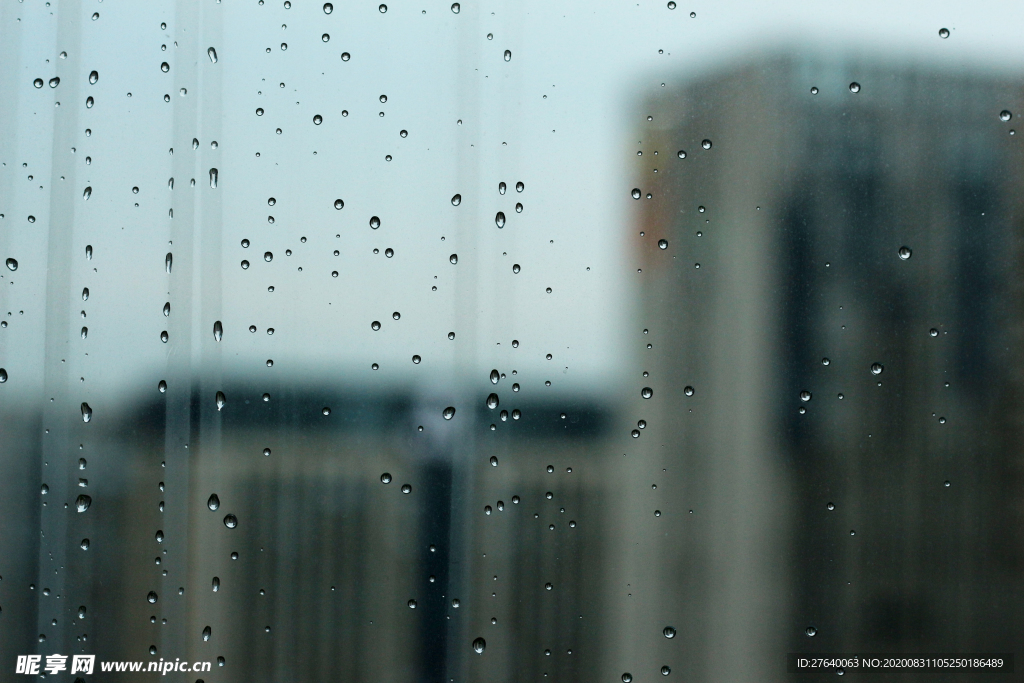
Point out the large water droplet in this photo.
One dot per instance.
(87, 193)
(151, 598)
(82, 503)
(221, 400)
(456, 199)
(374, 222)
(669, 632)
(647, 392)
(499, 219)
(55, 81)
(508, 55)
(268, 256)
(218, 331)
(455, 7)
(165, 67)
(12, 264)
(375, 325)
(38, 83)
(213, 54)
(213, 177)
(93, 77)
(88, 252)
(805, 396)
(85, 332)
(666, 670)
(214, 502)
(943, 33)
(1005, 115)
(492, 401)
(230, 521)
(328, 8)
(516, 268)
(86, 412)
(385, 478)
(876, 368)
(904, 253)
(479, 645)
(627, 677)
(495, 376)
(207, 632)
(688, 390)
(448, 413)
(168, 261)
(855, 87)
(453, 259)
(663, 244)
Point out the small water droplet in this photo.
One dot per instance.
(38, 83)
(904, 253)
(220, 400)
(152, 597)
(406, 488)
(943, 33)
(328, 8)
(374, 222)
(669, 632)
(317, 120)
(87, 193)
(1005, 115)
(230, 521)
(218, 331)
(508, 55)
(876, 368)
(375, 325)
(326, 37)
(93, 77)
(636, 194)
(268, 256)
(326, 411)
(855, 87)
(647, 392)
(492, 401)
(162, 387)
(165, 67)
(345, 57)
(207, 633)
(213, 54)
(933, 332)
(479, 645)
(811, 631)
(214, 502)
(665, 670)
(671, 4)
(12, 264)
(412, 604)
(663, 244)
(499, 219)
(3, 375)
(88, 252)
(825, 361)
(706, 144)
(448, 413)
(453, 259)
(455, 7)
(82, 503)
(515, 268)
(385, 478)
(688, 390)
(55, 81)
(495, 376)
(86, 412)
(456, 199)
(213, 177)
(382, 9)
(627, 677)
(805, 396)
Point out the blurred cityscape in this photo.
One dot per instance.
(829, 460)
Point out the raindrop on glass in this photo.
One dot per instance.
(448, 413)
(213, 54)
(904, 253)
(214, 502)
(218, 331)
(499, 219)
(876, 368)
(479, 645)
(647, 392)
(855, 87)
(456, 199)
(230, 521)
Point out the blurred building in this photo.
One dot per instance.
(822, 216)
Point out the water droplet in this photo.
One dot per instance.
(805, 396)
(508, 55)
(453, 259)
(663, 244)
(88, 252)
(671, 4)
(665, 670)
(213, 177)
(1005, 115)
(830, 507)
(162, 387)
(455, 7)
(406, 488)
(456, 199)
(492, 401)
(515, 268)
(345, 57)
(12, 264)
(904, 253)
(85, 332)
(86, 412)
(933, 332)
(317, 120)
(855, 87)
(245, 264)
(259, 111)
(220, 400)
(268, 256)
(479, 645)
(385, 478)
(876, 368)
(811, 631)
(328, 8)
(374, 222)
(706, 144)
(212, 54)
(647, 392)
(814, 90)
(326, 411)
(325, 37)
(636, 193)
(669, 632)
(495, 376)
(82, 503)
(230, 521)
(412, 604)
(55, 81)
(825, 361)
(627, 677)
(499, 219)
(165, 67)
(389, 252)
(375, 325)
(943, 33)
(688, 390)
(635, 433)
(448, 413)
(152, 597)
(93, 77)
(214, 502)
(383, 9)
(38, 83)
(87, 193)
(207, 633)
(218, 331)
